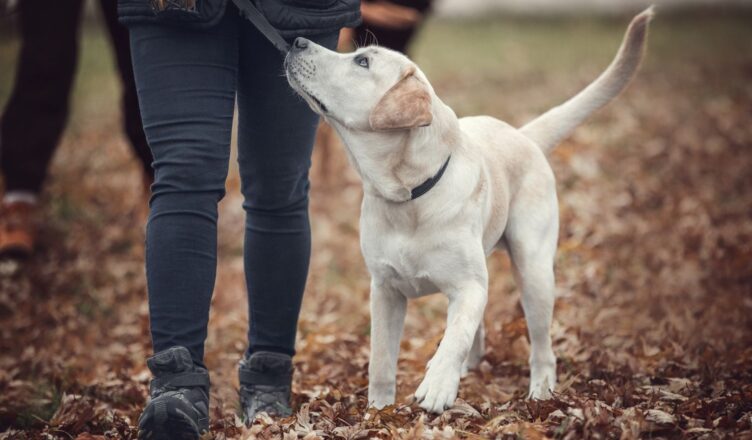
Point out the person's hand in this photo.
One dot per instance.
(389, 15)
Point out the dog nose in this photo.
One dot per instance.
(300, 43)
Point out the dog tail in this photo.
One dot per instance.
(553, 126)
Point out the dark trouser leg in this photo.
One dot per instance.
(395, 39)
(131, 114)
(391, 38)
(186, 82)
(275, 139)
(38, 107)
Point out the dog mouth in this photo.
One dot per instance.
(317, 101)
(303, 90)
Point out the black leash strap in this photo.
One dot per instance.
(249, 11)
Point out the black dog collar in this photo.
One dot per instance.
(428, 184)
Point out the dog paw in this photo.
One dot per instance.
(438, 390)
(542, 383)
(380, 396)
(540, 392)
(380, 402)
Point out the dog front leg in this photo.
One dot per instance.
(477, 350)
(387, 320)
(439, 387)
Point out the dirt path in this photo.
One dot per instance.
(652, 324)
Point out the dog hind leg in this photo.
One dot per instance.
(531, 240)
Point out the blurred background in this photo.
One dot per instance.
(653, 321)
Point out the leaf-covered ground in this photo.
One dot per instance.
(653, 320)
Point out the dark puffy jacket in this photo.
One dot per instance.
(292, 18)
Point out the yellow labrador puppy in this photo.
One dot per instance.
(441, 194)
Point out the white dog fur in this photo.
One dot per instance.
(498, 191)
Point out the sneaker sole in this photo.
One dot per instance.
(167, 423)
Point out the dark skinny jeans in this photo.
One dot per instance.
(187, 83)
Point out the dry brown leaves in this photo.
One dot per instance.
(653, 329)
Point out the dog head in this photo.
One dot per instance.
(371, 89)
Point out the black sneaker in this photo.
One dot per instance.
(265, 381)
(178, 407)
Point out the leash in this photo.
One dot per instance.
(252, 14)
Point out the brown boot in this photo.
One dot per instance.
(17, 231)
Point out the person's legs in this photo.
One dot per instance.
(131, 114)
(186, 82)
(37, 110)
(275, 138)
(35, 115)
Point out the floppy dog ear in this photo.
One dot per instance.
(406, 105)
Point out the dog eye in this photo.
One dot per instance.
(362, 62)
